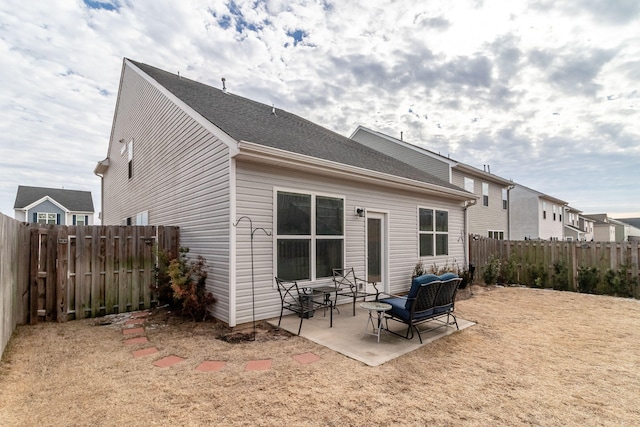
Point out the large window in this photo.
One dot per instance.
(434, 232)
(47, 218)
(310, 235)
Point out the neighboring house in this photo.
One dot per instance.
(186, 154)
(534, 215)
(53, 206)
(612, 230)
(488, 217)
(633, 233)
(576, 226)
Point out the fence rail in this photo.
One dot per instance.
(531, 258)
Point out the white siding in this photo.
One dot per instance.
(255, 193)
(180, 176)
(525, 214)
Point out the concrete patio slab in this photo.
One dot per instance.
(347, 334)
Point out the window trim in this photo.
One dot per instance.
(434, 232)
(485, 194)
(313, 237)
(492, 234)
(56, 218)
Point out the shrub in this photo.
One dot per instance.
(560, 276)
(491, 270)
(587, 280)
(509, 271)
(538, 276)
(188, 285)
(418, 270)
(162, 285)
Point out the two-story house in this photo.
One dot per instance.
(535, 215)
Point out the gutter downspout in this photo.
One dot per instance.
(467, 203)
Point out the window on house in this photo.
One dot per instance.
(505, 199)
(485, 194)
(130, 158)
(80, 220)
(554, 212)
(310, 235)
(468, 184)
(544, 210)
(47, 218)
(142, 218)
(433, 232)
(496, 235)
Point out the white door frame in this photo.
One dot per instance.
(384, 247)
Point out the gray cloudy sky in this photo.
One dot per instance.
(546, 92)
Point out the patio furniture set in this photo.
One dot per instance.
(429, 298)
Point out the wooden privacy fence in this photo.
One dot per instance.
(616, 256)
(87, 271)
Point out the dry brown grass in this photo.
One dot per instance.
(534, 358)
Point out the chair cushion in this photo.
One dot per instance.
(397, 307)
(415, 285)
(448, 276)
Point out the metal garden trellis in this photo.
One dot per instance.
(253, 301)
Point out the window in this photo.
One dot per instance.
(433, 232)
(142, 218)
(505, 199)
(496, 235)
(544, 210)
(485, 194)
(130, 157)
(554, 212)
(310, 235)
(468, 184)
(80, 220)
(47, 218)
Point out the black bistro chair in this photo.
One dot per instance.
(347, 284)
(294, 299)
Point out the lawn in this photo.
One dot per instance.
(535, 357)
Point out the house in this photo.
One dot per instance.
(260, 192)
(53, 206)
(489, 217)
(576, 226)
(608, 229)
(535, 215)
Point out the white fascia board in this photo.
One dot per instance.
(484, 175)
(262, 154)
(231, 143)
(44, 199)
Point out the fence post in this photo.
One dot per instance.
(62, 274)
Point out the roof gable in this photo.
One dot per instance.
(246, 120)
(72, 200)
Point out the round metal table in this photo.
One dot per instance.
(375, 307)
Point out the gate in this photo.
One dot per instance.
(88, 271)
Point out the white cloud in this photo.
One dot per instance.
(545, 92)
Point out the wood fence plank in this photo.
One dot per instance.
(50, 281)
(136, 253)
(81, 247)
(33, 276)
(62, 274)
(95, 271)
(148, 264)
(123, 294)
(110, 287)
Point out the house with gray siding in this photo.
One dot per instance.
(489, 217)
(237, 175)
(535, 215)
(53, 206)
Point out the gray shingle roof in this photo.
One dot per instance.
(247, 120)
(73, 200)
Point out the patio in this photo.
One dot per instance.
(346, 336)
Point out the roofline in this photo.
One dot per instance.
(42, 199)
(408, 145)
(424, 151)
(230, 142)
(269, 155)
(546, 196)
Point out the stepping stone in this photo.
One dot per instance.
(134, 321)
(139, 314)
(168, 361)
(210, 366)
(133, 331)
(258, 365)
(138, 340)
(145, 352)
(306, 358)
